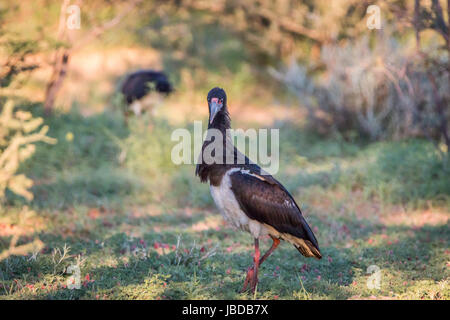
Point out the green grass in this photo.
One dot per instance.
(140, 227)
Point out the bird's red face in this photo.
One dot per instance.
(216, 101)
(215, 106)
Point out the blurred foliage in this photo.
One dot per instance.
(18, 133)
(273, 30)
(378, 91)
(22, 249)
(382, 85)
(14, 53)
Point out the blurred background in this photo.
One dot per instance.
(359, 90)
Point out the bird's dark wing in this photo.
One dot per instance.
(264, 199)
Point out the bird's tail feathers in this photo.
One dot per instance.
(309, 246)
(306, 248)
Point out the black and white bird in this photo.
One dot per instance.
(139, 84)
(249, 198)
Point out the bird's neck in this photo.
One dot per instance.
(229, 152)
(221, 122)
(214, 171)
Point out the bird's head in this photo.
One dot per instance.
(217, 103)
(164, 86)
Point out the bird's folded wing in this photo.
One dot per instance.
(264, 199)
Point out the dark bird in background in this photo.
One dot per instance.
(140, 83)
(251, 199)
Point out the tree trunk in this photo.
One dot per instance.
(59, 73)
(444, 30)
(416, 23)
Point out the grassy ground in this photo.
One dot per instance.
(140, 227)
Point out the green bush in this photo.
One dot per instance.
(19, 131)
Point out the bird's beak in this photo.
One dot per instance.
(215, 108)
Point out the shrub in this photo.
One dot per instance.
(18, 133)
(378, 91)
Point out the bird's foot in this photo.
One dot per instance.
(251, 279)
(248, 279)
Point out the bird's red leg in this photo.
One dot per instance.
(251, 274)
(255, 265)
(247, 278)
(275, 244)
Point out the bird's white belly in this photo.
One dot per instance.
(229, 208)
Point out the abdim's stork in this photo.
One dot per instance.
(137, 84)
(249, 198)
(140, 83)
